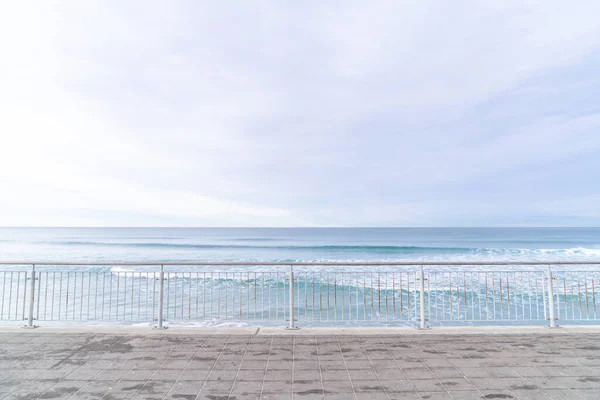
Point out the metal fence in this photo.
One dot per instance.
(302, 293)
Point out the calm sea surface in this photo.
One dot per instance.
(295, 244)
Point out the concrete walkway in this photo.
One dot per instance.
(55, 364)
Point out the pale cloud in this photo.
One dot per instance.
(272, 114)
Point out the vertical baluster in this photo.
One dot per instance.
(60, 287)
(378, 295)
(429, 294)
(465, 294)
(594, 298)
(451, 299)
(372, 290)
(422, 317)
(67, 299)
(139, 307)
(343, 297)
(124, 293)
(117, 295)
(103, 292)
(198, 296)
(386, 296)
(472, 298)
(522, 297)
(579, 297)
(334, 296)
(501, 301)
(587, 308)
(436, 276)
(572, 298)
(529, 294)
(313, 296)
(248, 297)
(161, 297)
(24, 298)
(356, 289)
(551, 298)
(543, 296)
(10, 291)
(153, 296)
(39, 288)
(96, 297)
(45, 297)
(212, 282)
(89, 293)
(508, 295)
(305, 295)
(487, 307)
(3, 294)
(255, 292)
(457, 298)
(81, 298)
(364, 296)
(394, 293)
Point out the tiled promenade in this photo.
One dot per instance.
(50, 365)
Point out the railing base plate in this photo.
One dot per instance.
(423, 329)
(295, 328)
(160, 327)
(29, 327)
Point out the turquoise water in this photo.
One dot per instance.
(298, 244)
(364, 295)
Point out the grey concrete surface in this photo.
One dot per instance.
(50, 364)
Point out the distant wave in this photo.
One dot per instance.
(348, 248)
(291, 247)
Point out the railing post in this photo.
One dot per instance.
(161, 296)
(291, 325)
(422, 324)
(30, 324)
(551, 298)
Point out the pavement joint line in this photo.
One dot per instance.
(429, 369)
(463, 375)
(401, 369)
(346, 366)
(79, 349)
(262, 387)
(240, 367)
(185, 368)
(319, 364)
(213, 366)
(151, 376)
(293, 366)
(459, 371)
(371, 363)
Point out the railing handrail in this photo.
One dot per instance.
(300, 263)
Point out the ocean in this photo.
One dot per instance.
(364, 295)
(298, 244)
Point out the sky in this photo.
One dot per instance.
(281, 113)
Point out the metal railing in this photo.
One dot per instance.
(367, 293)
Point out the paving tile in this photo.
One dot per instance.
(440, 367)
(247, 387)
(427, 385)
(418, 373)
(277, 387)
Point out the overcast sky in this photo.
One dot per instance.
(340, 113)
